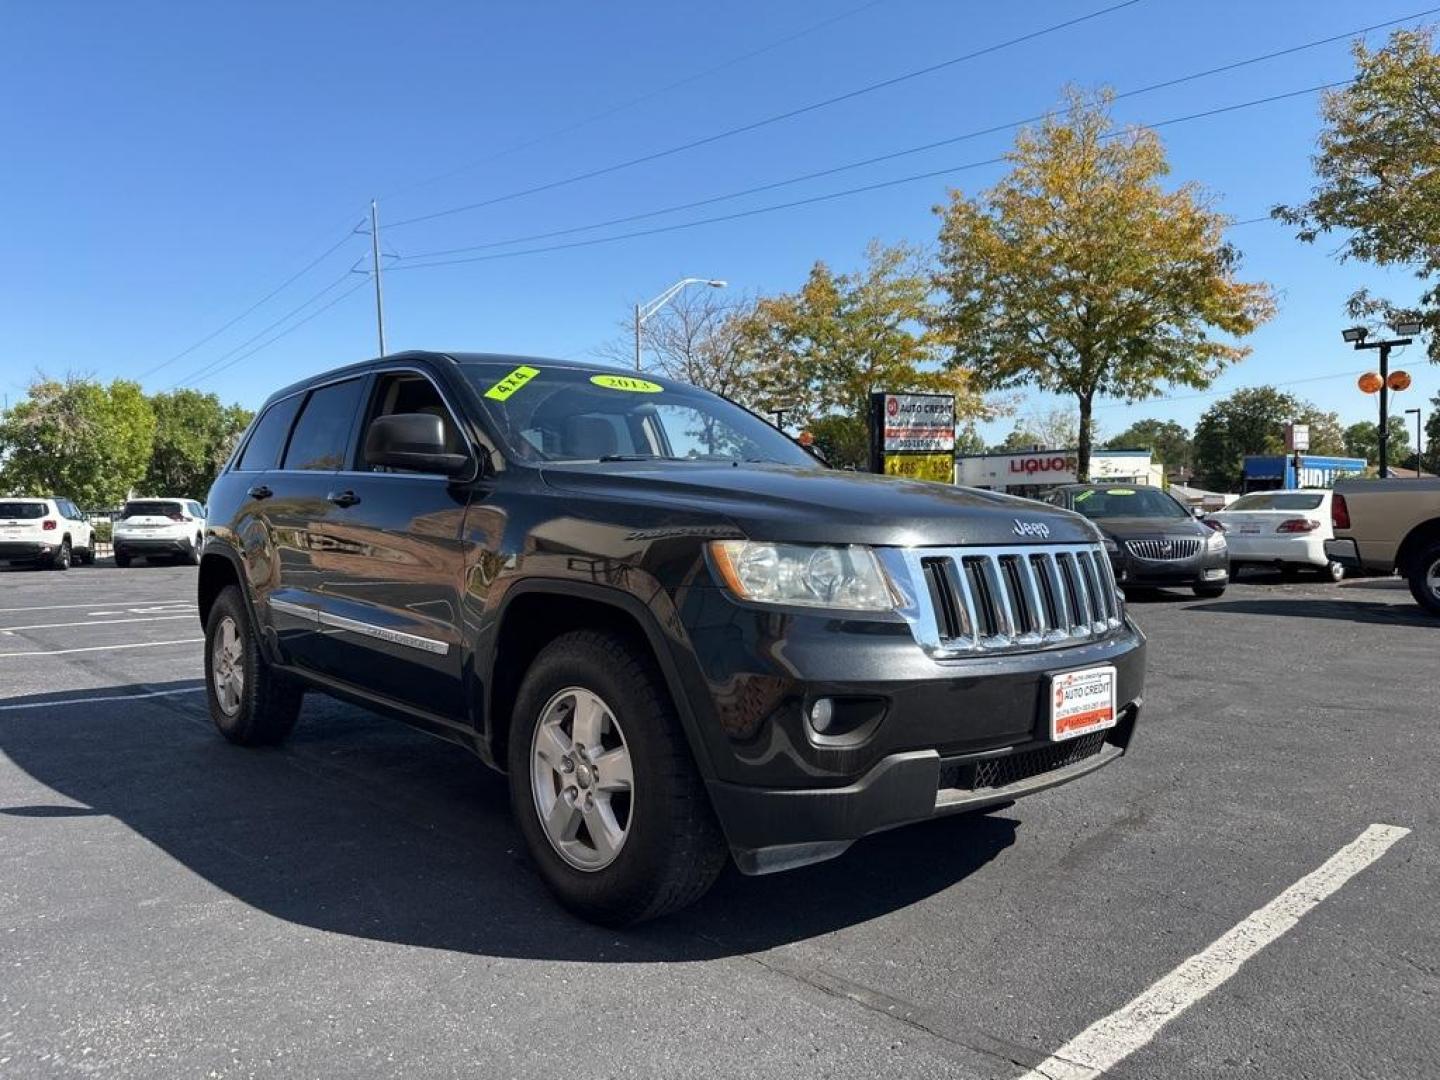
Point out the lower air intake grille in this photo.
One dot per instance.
(1012, 768)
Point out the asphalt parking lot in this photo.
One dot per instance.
(357, 904)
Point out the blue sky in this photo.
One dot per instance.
(167, 165)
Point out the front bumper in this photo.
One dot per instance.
(1207, 568)
(773, 830)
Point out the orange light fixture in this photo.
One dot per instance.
(807, 439)
(1370, 383)
(1398, 380)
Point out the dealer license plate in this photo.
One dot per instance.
(1081, 702)
(1250, 530)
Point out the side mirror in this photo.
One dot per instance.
(414, 442)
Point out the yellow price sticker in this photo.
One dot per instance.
(628, 383)
(502, 390)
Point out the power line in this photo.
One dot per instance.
(289, 330)
(766, 121)
(637, 100)
(204, 370)
(846, 192)
(908, 151)
(253, 307)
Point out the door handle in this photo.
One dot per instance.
(343, 498)
(260, 491)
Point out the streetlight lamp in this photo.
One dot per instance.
(1419, 446)
(1357, 336)
(645, 311)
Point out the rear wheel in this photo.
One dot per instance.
(250, 703)
(61, 559)
(1424, 579)
(1333, 571)
(192, 556)
(603, 786)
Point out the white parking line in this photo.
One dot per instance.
(102, 697)
(106, 648)
(1108, 1041)
(92, 603)
(96, 622)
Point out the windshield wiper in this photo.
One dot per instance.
(636, 457)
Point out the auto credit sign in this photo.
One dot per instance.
(918, 424)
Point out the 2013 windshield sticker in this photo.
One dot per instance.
(502, 390)
(627, 383)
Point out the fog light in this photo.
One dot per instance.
(1214, 573)
(822, 715)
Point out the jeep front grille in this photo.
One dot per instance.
(963, 601)
(1164, 550)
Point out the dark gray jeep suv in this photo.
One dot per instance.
(682, 636)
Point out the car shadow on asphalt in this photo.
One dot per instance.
(1357, 611)
(361, 826)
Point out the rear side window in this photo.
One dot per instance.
(322, 433)
(22, 510)
(263, 449)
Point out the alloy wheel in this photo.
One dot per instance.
(582, 778)
(227, 666)
(1432, 579)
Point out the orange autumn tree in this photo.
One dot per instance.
(1079, 273)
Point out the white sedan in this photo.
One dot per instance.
(1283, 529)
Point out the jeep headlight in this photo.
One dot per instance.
(806, 575)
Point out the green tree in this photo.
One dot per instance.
(1362, 440)
(1252, 421)
(77, 439)
(1168, 441)
(1020, 439)
(824, 349)
(844, 440)
(1375, 172)
(968, 440)
(194, 434)
(1080, 272)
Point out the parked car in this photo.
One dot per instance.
(678, 632)
(45, 532)
(1283, 529)
(159, 529)
(1390, 526)
(1153, 540)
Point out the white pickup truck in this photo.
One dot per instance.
(1389, 526)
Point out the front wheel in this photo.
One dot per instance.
(1209, 592)
(250, 703)
(603, 786)
(1424, 579)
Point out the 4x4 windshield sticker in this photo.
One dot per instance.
(628, 383)
(502, 390)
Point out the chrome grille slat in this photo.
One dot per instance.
(1164, 550)
(975, 601)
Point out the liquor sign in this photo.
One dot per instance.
(913, 435)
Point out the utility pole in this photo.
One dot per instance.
(375, 269)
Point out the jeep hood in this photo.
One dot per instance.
(783, 503)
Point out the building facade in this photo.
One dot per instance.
(1035, 472)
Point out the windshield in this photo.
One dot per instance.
(1273, 500)
(22, 510)
(564, 414)
(152, 508)
(1125, 502)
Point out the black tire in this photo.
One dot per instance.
(1333, 572)
(1424, 571)
(673, 849)
(193, 555)
(121, 559)
(1209, 592)
(267, 704)
(61, 559)
(86, 556)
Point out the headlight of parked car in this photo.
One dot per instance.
(1110, 544)
(803, 574)
(1215, 541)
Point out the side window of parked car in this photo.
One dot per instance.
(322, 433)
(268, 438)
(405, 392)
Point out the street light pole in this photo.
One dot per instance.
(1356, 336)
(375, 269)
(1419, 443)
(644, 311)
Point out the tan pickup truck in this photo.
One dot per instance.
(1390, 525)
